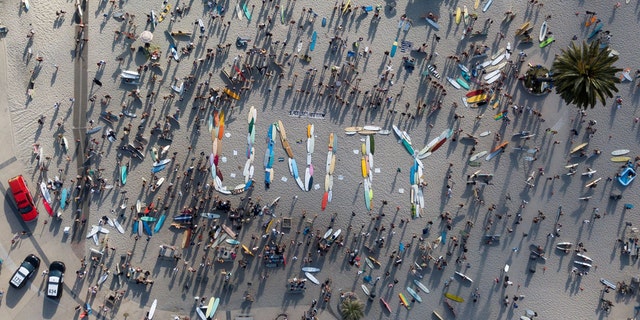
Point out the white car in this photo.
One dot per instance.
(25, 271)
(55, 279)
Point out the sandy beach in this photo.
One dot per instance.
(61, 76)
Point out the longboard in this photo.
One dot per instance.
(454, 297)
(394, 48)
(578, 147)
(620, 159)
(314, 38)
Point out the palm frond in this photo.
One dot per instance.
(585, 75)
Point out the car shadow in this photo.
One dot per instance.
(49, 308)
(13, 295)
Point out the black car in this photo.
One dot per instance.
(55, 279)
(25, 271)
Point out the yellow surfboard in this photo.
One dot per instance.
(231, 94)
(346, 7)
(620, 159)
(364, 167)
(458, 15)
(454, 297)
(579, 147)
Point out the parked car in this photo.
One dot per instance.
(55, 279)
(22, 197)
(26, 270)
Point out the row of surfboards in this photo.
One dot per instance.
(216, 128)
(208, 311)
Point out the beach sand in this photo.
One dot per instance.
(554, 292)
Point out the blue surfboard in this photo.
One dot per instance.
(147, 228)
(159, 223)
(314, 37)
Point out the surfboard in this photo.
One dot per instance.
(404, 301)
(619, 152)
(596, 30)
(434, 24)
(246, 11)
(210, 307)
(186, 238)
(458, 15)
(394, 48)
(454, 83)
(414, 294)
(365, 290)
(232, 242)
(215, 307)
(123, 174)
(314, 38)
(578, 147)
(160, 222)
(500, 146)
(453, 297)
(324, 21)
(311, 278)
(310, 269)
(543, 31)
(620, 159)
(152, 310)
(592, 183)
(478, 155)
(421, 286)
(463, 83)
(487, 5)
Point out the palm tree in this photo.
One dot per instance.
(351, 308)
(585, 74)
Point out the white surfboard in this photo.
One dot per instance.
(311, 278)
(619, 152)
(152, 310)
